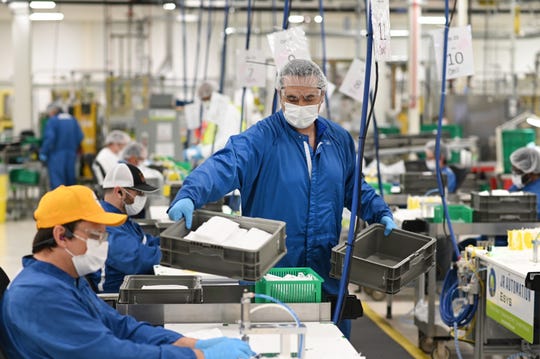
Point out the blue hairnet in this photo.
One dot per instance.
(430, 146)
(299, 72)
(526, 159)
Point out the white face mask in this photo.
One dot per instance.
(300, 116)
(94, 258)
(516, 180)
(431, 165)
(137, 206)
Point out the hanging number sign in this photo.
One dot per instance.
(192, 113)
(459, 59)
(250, 68)
(219, 104)
(287, 45)
(353, 83)
(380, 20)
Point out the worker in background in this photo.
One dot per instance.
(131, 251)
(526, 172)
(212, 136)
(109, 155)
(294, 166)
(136, 154)
(62, 139)
(50, 311)
(429, 149)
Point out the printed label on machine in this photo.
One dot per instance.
(509, 302)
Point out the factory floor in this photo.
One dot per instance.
(16, 238)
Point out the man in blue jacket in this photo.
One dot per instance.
(294, 166)
(50, 311)
(61, 141)
(131, 250)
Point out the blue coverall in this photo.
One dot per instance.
(450, 179)
(268, 164)
(61, 141)
(46, 313)
(532, 187)
(131, 251)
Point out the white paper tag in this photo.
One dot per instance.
(459, 61)
(250, 68)
(353, 83)
(287, 45)
(380, 19)
(218, 108)
(192, 115)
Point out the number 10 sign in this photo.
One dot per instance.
(459, 58)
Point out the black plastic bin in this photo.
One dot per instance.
(232, 262)
(384, 263)
(131, 291)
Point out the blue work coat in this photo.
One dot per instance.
(131, 251)
(61, 140)
(450, 179)
(532, 187)
(46, 313)
(268, 164)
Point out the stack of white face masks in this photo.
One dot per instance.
(223, 231)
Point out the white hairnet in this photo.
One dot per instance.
(117, 136)
(55, 107)
(205, 90)
(526, 159)
(299, 72)
(430, 146)
(134, 149)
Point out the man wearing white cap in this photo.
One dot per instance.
(131, 251)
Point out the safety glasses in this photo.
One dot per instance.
(90, 234)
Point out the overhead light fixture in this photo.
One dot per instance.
(296, 19)
(318, 19)
(17, 5)
(169, 6)
(432, 20)
(47, 16)
(230, 31)
(399, 33)
(42, 5)
(533, 120)
(187, 18)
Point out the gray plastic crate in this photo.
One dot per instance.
(419, 183)
(479, 216)
(250, 265)
(508, 204)
(131, 291)
(385, 263)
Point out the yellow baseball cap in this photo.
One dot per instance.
(67, 204)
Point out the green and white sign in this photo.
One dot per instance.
(509, 302)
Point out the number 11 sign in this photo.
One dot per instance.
(459, 58)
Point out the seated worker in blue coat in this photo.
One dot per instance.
(293, 166)
(526, 172)
(50, 311)
(444, 155)
(131, 250)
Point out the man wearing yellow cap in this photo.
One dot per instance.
(50, 311)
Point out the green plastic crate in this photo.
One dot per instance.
(24, 176)
(291, 291)
(453, 130)
(457, 212)
(514, 139)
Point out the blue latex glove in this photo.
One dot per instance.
(388, 224)
(207, 343)
(230, 348)
(193, 153)
(43, 157)
(183, 209)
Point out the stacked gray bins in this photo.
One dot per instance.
(514, 207)
(231, 262)
(419, 183)
(385, 263)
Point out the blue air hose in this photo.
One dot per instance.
(197, 52)
(376, 145)
(439, 131)
(248, 36)
(292, 313)
(224, 47)
(286, 11)
(343, 283)
(184, 47)
(323, 42)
